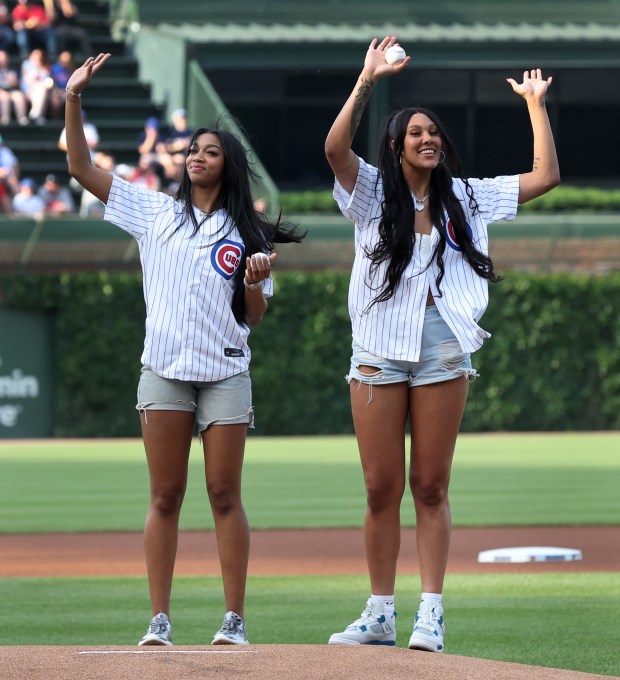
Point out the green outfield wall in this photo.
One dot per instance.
(553, 363)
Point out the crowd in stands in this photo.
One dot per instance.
(47, 39)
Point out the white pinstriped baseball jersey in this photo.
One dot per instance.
(191, 332)
(393, 329)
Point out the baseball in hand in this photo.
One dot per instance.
(394, 54)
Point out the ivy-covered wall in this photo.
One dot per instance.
(553, 362)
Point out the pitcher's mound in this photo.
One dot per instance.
(262, 662)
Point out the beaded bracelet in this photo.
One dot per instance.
(252, 286)
(75, 94)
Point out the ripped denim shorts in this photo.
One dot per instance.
(221, 402)
(441, 358)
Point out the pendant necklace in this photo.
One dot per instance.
(419, 202)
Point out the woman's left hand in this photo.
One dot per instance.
(533, 85)
(258, 267)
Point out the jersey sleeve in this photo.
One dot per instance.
(133, 208)
(358, 206)
(497, 197)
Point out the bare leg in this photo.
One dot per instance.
(380, 429)
(167, 440)
(224, 447)
(19, 102)
(436, 413)
(5, 108)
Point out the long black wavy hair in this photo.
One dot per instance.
(396, 228)
(257, 231)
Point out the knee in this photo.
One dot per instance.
(430, 492)
(222, 498)
(383, 495)
(167, 502)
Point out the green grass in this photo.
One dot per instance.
(557, 620)
(498, 480)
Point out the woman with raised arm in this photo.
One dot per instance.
(419, 287)
(206, 257)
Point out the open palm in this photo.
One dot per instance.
(82, 75)
(533, 85)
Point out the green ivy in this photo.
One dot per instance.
(562, 199)
(553, 362)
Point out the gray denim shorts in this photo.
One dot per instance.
(441, 358)
(221, 402)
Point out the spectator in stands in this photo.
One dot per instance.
(175, 140)
(145, 174)
(7, 36)
(173, 182)
(37, 84)
(70, 34)
(9, 168)
(179, 135)
(90, 131)
(150, 140)
(90, 205)
(60, 71)
(10, 93)
(56, 198)
(6, 203)
(26, 202)
(32, 23)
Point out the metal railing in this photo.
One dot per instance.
(204, 104)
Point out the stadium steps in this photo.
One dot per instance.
(116, 102)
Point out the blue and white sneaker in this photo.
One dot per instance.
(428, 630)
(372, 628)
(232, 631)
(159, 632)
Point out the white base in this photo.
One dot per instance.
(530, 554)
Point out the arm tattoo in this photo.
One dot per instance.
(536, 163)
(361, 98)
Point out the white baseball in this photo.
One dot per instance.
(394, 54)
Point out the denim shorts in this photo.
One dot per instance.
(221, 402)
(441, 358)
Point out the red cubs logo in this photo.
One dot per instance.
(226, 257)
(451, 236)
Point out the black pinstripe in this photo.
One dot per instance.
(189, 320)
(393, 329)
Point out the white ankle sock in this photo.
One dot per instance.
(429, 600)
(388, 603)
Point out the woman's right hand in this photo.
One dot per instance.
(375, 63)
(81, 76)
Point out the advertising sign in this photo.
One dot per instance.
(25, 375)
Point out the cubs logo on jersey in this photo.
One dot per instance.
(226, 257)
(451, 236)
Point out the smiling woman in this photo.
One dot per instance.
(418, 289)
(206, 256)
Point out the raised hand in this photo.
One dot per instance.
(375, 58)
(533, 85)
(82, 75)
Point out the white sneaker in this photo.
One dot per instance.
(232, 631)
(428, 630)
(159, 632)
(372, 628)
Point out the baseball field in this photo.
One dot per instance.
(74, 593)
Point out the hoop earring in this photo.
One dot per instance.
(441, 151)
